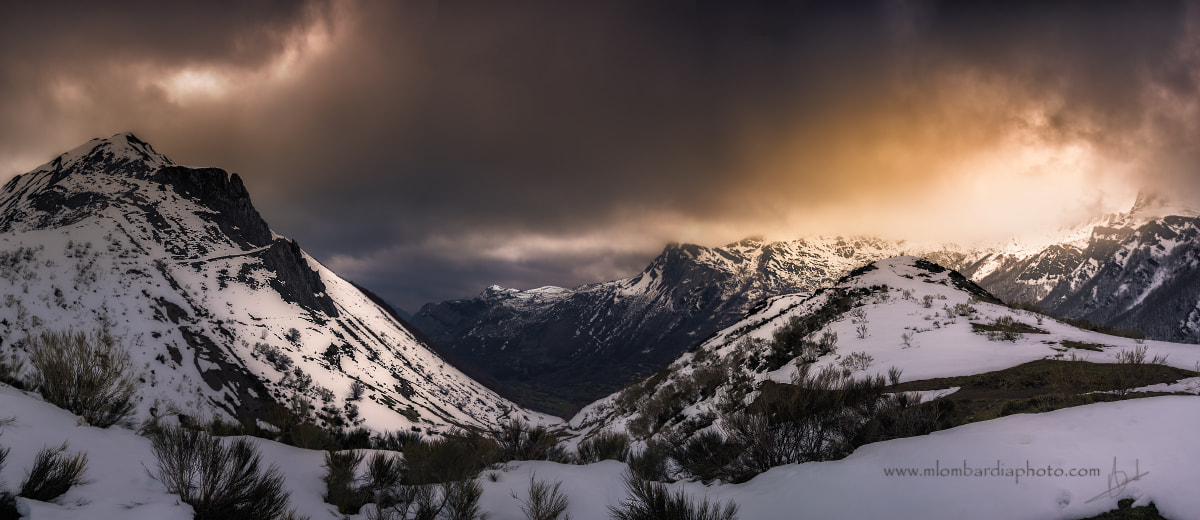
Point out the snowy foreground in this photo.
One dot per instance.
(1142, 448)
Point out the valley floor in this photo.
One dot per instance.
(1142, 448)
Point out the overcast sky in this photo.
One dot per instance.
(428, 149)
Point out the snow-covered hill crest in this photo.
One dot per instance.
(221, 315)
(587, 341)
(905, 313)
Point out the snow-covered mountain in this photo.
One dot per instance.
(905, 313)
(222, 316)
(1136, 271)
(567, 347)
(1133, 270)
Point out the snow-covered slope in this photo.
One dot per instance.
(1070, 463)
(1143, 438)
(902, 312)
(580, 344)
(221, 315)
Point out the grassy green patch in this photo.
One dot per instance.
(1042, 386)
(1126, 511)
(1098, 347)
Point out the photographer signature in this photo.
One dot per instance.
(1117, 480)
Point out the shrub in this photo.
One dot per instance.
(454, 500)
(357, 389)
(220, 481)
(8, 503)
(705, 455)
(857, 361)
(274, 355)
(651, 462)
(394, 441)
(449, 458)
(814, 418)
(53, 473)
(384, 473)
(960, 309)
(520, 441)
(10, 371)
(8, 506)
(545, 502)
(88, 375)
(339, 479)
(652, 501)
(605, 445)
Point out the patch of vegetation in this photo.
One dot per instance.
(10, 371)
(1126, 511)
(652, 501)
(928, 266)
(89, 375)
(976, 291)
(1007, 324)
(274, 356)
(792, 340)
(544, 501)
(1006, 328)
(53, 473)
(604, 445)
(857, 272)
(651, 462)
(1041, 386)
(219, 480)
(1097, 347)
(520, 441)
(339, 479)
(8, 502)
(452, 457)
(706, 455)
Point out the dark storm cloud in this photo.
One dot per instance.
(412, 129)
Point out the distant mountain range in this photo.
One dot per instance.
(562, 348)
(223, 317)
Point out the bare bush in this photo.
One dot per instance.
(274, 355)
(8, 503)
(520, 441)
(448, 458)
(220, 481)
(605, 445)
(339, 479)
(53, 473)
(705, 455)
(652, 501)
(88, 375)
(544, 502)
(357, 389)
(857, 361)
